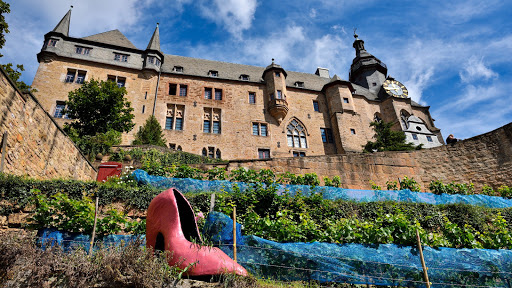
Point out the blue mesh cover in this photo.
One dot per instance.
(219, 228)
(186, 185)
(385, 264)
(68, 241)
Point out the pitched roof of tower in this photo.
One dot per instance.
(154, 43)
(63, 26)
(113, 37)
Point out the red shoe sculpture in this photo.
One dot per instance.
(171, 225)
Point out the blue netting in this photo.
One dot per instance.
(186, 185)
(69, 241)
(385, 264)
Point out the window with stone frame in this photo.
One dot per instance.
(326, 135)
(183, 90)
(73, 74)
(174, 117)
(207, 93)
(259, 129)
(316, 108)
(299, 154)
(263, 153)
(296, 135)
(212, 120)
(252, 98)
(59, 108)
(218, 94)
(120, 81)
(51, 42)
(173, 88)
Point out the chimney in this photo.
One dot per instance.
(322, 72)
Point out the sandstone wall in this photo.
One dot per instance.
(36, 146)
(483, 159)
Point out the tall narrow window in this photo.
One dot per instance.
(207, 93)
(279, 94)
(174, 117)
(252, 98)
(296, 134)
(206, 126)
(70, 76)
(211, 121)
(315, 106)
(217, 154)
(211, 152)
(58, 109)
(172, 89)
(326, 135)
(143, 109)
(204, 152)
(218, 94)
(183, 90)
(80, 77)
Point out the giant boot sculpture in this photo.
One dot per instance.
(171, 226)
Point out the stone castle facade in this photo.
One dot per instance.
(233, 111)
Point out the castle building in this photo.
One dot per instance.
(233, 111)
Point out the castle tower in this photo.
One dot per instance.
(275, 81)
(366, 70)
(153, 57)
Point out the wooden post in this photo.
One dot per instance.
(425, 274)
(4, 150)
(212, 202)
(234, 233)
(94, 227)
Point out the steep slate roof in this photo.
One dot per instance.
(113, 37)
(63, 26)
(231, 71)
(154, 43)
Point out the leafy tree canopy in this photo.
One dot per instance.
(4, 27)
(15, 75)
(150, 133)
(387, 139)
(99, 107)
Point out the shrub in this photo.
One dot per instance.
(410, 184)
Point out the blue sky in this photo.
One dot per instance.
(454, 56)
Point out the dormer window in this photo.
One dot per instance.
(299, 84)
(244, 77)
(213, 73)
(120, 57)
(177, 69)
(82, 50)
(52, 43)
(153, 60)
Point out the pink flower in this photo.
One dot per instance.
(199, 215)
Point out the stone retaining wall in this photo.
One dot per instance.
(36, 146)
(483, 159)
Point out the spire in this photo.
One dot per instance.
(63, 26)
(359, 46)
(154, 43)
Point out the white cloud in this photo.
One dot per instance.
(235, 15)
(476, 70)
(312, 13)
(464, 11)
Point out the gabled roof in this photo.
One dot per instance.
(154, 43)
(63, 26)
(113, 37)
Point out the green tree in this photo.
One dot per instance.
(150, 133)
(387, 139)
(99, 107)
(4, 27)
(15, 75)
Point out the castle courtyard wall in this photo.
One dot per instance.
(483, 159)
(35, 145)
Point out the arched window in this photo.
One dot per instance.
(205, 152)
(217, 154)
(179, 148)
(296, 135)
(404, 115)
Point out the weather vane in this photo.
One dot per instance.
(355, 34)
